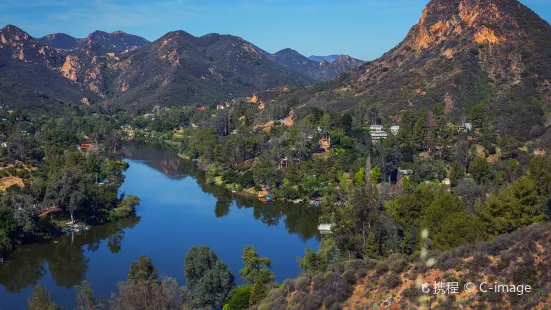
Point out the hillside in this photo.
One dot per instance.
(30, 74)
(318, 70)
(461, 53)
(182, 69)
(519, 258)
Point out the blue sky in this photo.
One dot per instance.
(361, 28)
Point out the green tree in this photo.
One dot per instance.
(359, 178)
(478, 116)
(198, 261)
(375, 175)
(481, 170)
(311, 262)
(514, 206)
(253, 264)
(143, 270)
(261, 287)
(240, 298)
(457, 229)
(215, 286)
(457, 173)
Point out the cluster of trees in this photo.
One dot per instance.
(209, 285)
(44, 153)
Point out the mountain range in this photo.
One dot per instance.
(330, 58)
(176, 69)
(494, 54)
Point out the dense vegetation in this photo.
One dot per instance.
(464, 186)
(44, 168)
(210, 285)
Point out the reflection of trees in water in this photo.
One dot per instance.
(65, 257)
(301, 220)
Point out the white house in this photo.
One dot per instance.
(376, 128)
(394, 129)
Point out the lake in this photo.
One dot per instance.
(178, 210)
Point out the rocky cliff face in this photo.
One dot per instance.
(18, 45)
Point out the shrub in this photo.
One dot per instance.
(302, 284)
(397, 263)
(382, 267)
(392, 281)
(240, 298)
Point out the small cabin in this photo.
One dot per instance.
(325, 144)
(202, 108)
(85, 145)
(220, 107)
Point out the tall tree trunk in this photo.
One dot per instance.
(368, 167)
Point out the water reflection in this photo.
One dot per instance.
(298, 219)
(64, 257)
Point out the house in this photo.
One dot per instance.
(394, 129)
(325, 229)
(220, 107)
(325, 144)
(283, 162)
(376, 128)
(84, 145)
(3, 144)
(377, 132)
(126, 127)
(201, 108)
(465, 127)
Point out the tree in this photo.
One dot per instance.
(41, 299)
(67, 189)
(261, 287)
(253, 264)
(481, 170)
(240, 298)
(375, 175)
(514, 206)
(457, 229)
(311, 261)
(198, 261)
(85, 299)
(457, 173)
(479, 116)
(359, 178)
(215, 286)
(143, 270)
(346, 123)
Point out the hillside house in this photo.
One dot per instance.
(201, 108)
(220, 107)
(325, 144)
(126, 127)
(377, 133)
(394, 129)
(466, 127)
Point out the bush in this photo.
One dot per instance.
(392, 280)
(302, 284)
(382, 267)
(397, 263)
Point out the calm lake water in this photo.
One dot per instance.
(178, 210)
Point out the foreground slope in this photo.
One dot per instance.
(519, 258)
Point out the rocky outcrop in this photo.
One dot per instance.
(71, 68)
